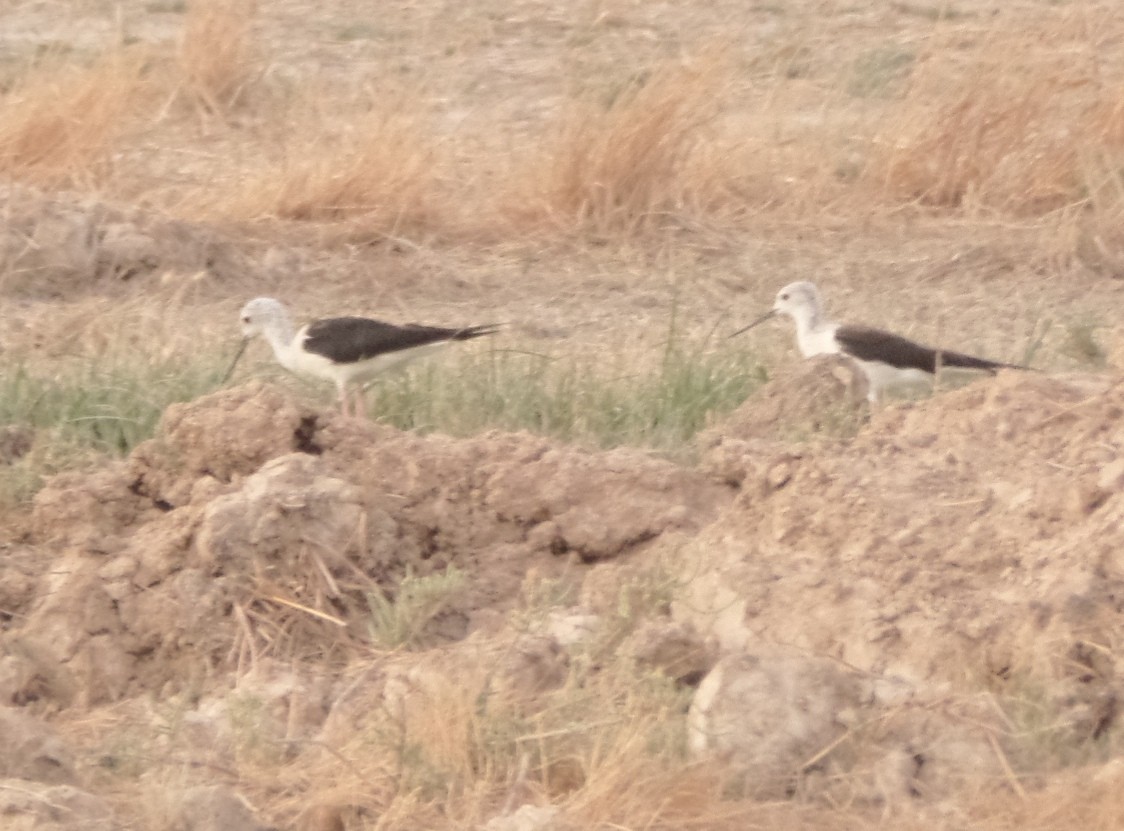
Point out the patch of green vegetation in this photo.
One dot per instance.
(1048, 732)
(400, 622)
(254, 730)
(931, 11)
(166, 7)
(877, 73)
(89, 410)
(97, 408)
(1036, 337)
(356, 31)
(109, 409)
(1082, 344)
(601, 402)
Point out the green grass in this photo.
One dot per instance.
(90, 410)
(1049, 732)
(598, 402)
(166, 7)
(358, 30)
(105, 408)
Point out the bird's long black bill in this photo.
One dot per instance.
(757, 322)
(234, 363)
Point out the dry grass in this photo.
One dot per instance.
(602, 750)
(618, 165)
(1014, 124)
(382, 177)
(58, 125)
(1025, 126)
(217, 56)
(1087, 798)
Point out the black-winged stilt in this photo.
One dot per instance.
(885, 358)
(344, 350)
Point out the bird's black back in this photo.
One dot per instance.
(876, 345)
(344, 340)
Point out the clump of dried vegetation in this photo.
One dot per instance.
(60, 123)
(1016, 128)
(619, 163)
(383, 177)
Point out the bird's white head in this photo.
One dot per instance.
(263, 315)
(800, 301)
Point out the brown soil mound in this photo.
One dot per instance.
(247, 508)
(872, 600)
(971, 540)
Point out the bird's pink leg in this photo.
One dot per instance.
(343, 401)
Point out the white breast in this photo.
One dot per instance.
(818, 341)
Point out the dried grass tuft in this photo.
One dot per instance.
(382, 178)
(620, 167)
(58, 126)
(217, 55)
(1024, 129)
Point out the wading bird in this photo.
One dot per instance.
(344, 350)
(885, 358)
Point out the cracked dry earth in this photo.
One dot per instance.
(885, 588)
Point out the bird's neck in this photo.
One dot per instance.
(279, 333)
(810, 331)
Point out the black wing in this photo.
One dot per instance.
(875, 345)
(345, 340)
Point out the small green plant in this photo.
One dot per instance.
(931, 11)
(400, 622)
(166, 7)
(643, 595)
(1036, 337)
(1082, 344)
(542, 597)
(256, 733)
(877, 73)
(357, 31)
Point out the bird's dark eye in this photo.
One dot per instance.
(245, 318)
(784, 296)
